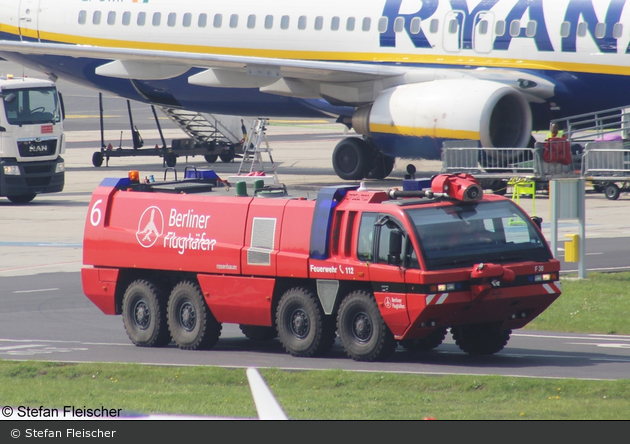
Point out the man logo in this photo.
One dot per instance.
(150, 227)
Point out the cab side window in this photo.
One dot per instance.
(366, 235)
(390, 243)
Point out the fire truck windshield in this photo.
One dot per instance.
(29, 106)
(469, 233)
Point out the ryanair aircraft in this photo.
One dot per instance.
(404, 74)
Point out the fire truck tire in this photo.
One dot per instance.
(362, 330)
(144, 315)
(258, 332)
(22, 198)
(433, 340)
(190, 321)
(303, 328)
(480, 339)
(611, 191)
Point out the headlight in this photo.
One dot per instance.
(60, 168)
(12, 170)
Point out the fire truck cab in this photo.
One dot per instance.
(372, 268)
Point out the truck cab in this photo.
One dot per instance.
(31, 139)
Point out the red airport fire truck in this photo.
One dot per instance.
(374, 268)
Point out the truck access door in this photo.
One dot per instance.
(387, 272)
(28, 20)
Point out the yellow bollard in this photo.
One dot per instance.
(572, 248)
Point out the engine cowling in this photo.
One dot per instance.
(413, 120)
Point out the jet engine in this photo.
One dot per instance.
(413, 120)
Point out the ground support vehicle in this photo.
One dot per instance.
(31, 139)
(606, 165)
(495, 168)
(374, 268)
(208, 138)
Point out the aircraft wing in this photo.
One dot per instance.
(335, 72)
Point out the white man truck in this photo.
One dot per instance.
(31, 138)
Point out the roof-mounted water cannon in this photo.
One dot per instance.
(462, 187)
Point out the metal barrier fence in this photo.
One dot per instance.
(606, 160)
(500, 162)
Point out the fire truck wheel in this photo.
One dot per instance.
(433, 340)
(480, 339)
(259, 333)
(144, 315)
(303, 328)
(192, 325)
(362, 330)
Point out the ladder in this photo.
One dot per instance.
(253, 149)
(203, 128)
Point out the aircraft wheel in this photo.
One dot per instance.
(384, 167)
(433, 340)
(362, 330)
(97, 159)
(22, 198)
(351, 158)
(612, 191)
(211, 158)
(144, 315)
(259, 333)
(303, 328)
(480, 339)
(192, 325)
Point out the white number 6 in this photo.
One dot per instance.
(95, 214)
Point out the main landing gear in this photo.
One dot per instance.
(356, 159)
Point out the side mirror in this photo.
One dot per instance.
(10, 97)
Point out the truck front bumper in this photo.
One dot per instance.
(34, 177)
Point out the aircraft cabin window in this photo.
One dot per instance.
(233, 20)
(171, 20)
(251, 21)
(515, 28)
(600, 30)
(319, 23)
(350, 24)
(111, 18)
(302, 22)
(582, 29)
(217, 21)
(415, 25)
(618, 31)
(499, 28)
(367, 24)
(382, 25)
(187, 20)
(142, 18)
(334, 24)
(565, 29)
(530, 31)
(284, 22)
(453, 26)
(399, 24)
(434, 26)
(82, 17)
(96, 18)
(126, 20)
(268, 21)
(157, 19)
(483, 27)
